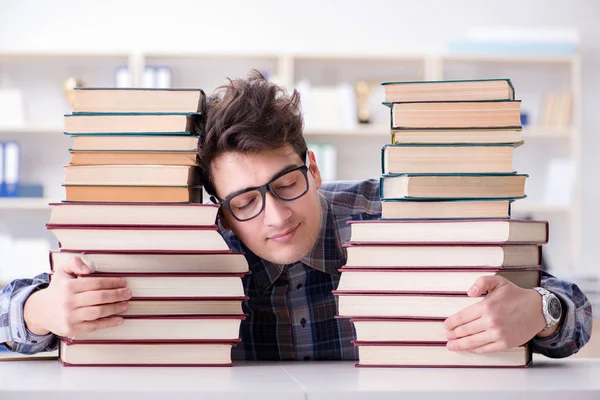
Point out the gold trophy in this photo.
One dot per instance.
(363, 90)
(68, 88)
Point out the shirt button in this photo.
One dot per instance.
(303, 322)
(299, 286)
(307, 358)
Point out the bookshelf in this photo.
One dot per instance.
(40, 75)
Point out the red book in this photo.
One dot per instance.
(417, 280)
(176, 286)
(138, 237)
(167, 329)
(98, 213)
(146, 354)
(442, 256)
(222, 261)
(482, 231)
(435, 355)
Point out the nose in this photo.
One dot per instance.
(276, 212)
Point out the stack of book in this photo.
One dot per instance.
(446, 188)
(133, 210)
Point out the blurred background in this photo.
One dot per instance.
(336, 53)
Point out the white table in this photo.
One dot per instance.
(577, 379)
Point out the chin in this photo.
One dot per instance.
(285, 257)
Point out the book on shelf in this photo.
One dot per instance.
(132, 262)
(456, 114)
(96, 213)
(501, 231)
(135, 157)
(133, 194)
(141, 237)
(134, 100)
(134, 143)
(145, 354)
(376, 354)
(443, 256)
(132, 124)
(168, 328)
(448, 158)
(449, 90)
(168, 286)
(413, 280)
(458, 136)
(453, 186)
(132, 175)
(445, 209)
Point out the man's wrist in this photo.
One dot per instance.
(547, 331)
(31, 313)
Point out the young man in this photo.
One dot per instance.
(275, 208)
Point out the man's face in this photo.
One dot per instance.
(285, 231)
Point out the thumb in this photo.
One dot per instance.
(485, 284)
(74, 267)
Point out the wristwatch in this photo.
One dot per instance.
(551, 307)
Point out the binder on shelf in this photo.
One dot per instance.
(2, 169)
(12, 153)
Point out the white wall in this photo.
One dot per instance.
(314, 26)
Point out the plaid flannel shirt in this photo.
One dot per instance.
(291, 308)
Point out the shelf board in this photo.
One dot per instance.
(211, 55)
(521, 206)
(359, 56)
(31, 129)
(508, 58)
(17, 54)
(366, 130)
(25, 203)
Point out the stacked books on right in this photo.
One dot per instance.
(446, 188)
(133, 211)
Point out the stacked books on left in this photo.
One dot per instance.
(133, 210)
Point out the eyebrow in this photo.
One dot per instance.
(285, 169)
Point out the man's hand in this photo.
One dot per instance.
(73, 303)
(507, 317)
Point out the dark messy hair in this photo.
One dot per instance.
(249, 116)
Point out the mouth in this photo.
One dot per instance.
(285, 236)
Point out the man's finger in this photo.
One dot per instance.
(489, 348)
(74, 267)
(485, 284)
(470, 342)
(103, 323)
(470, 328)
(464, 316)
(98, 312)
(99, 297)
(90, 283)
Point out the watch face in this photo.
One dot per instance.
(554, 308)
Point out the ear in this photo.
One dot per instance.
(313, 168)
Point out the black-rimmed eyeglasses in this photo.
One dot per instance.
(249, 203)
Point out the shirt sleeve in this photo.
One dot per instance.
(12, 323)
(576, 327)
